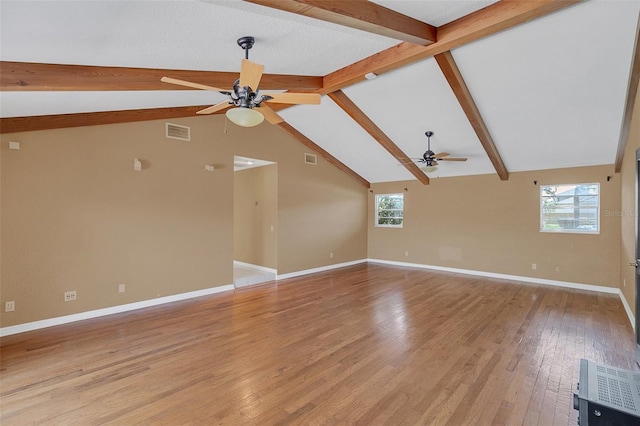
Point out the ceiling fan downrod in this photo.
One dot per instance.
(246, 43)
(428, 156)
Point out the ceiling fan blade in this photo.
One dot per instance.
(190, 84)
(453, 159)
(295, 98)
(215, 108)
(441, 154)
(250, 74)
(270, 115)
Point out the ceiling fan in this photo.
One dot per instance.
(430, 159)
(245, 97)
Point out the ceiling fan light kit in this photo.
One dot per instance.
(245, 94)
(244, 117)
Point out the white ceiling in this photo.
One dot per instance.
(551, 91)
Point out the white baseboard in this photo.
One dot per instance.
(30, 326)
(566, 284)
(533, 280)
(320, 269)
(21, 328)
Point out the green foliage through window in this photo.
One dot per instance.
(389, 210)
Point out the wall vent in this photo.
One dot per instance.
(175, 131)
(310, 159)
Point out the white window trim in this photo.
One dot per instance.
(378, 225)
(570, 231)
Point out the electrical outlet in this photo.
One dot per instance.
(331, 255)
(69, 295)
(10, 306)
(534, 266)
(406, 254)
(120, 288)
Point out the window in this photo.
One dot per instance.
(571, 208)
(390, 210)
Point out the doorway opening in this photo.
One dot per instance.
(255, 207)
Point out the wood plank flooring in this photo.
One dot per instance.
(367, 345)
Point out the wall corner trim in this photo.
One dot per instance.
(628, 309)
(50, 322)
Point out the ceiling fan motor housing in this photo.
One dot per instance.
(244, 97)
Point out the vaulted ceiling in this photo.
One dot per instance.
(511, 85)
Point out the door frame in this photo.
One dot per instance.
(637, 258)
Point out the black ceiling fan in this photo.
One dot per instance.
(245, 95)
(430, 159)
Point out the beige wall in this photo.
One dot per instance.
(483, 224)
(75, 216)
(256, 216)
(628, 210)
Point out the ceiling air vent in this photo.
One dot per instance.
(310, 159)
(175, 131)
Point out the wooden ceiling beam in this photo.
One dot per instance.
(26, 76)
(454, 77)
(60, 121)
(324, 154)
(490, 20)
(343, 101)
(632, 91)
(362, 15)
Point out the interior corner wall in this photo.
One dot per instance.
(628, 211)
(256, 216)
(76, 216)
(480, 223)
(321, 210)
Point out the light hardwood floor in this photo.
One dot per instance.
(368, 344)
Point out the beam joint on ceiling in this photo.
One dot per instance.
(348, 106)
(490, 20)
(453, 75)
(362, 15)
(324, 154)
(632, 91)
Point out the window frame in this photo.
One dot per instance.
(378, 210)
(561, 230)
